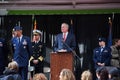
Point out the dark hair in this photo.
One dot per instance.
(103, 74)
(114, 74)
(115, 41)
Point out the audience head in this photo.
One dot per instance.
(102, 73)
(66, 74)
(13, 66)
(98, 70)
(86, 75)
(114, 74)
(39, 76)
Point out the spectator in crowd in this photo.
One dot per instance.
(86, 75)
(22, 50)
(115, 61)
(65, 41)
(102, 73)
(12, 69)
(98, 70)
(3, 55)
(39, 52)
(66, 74)
(114, 74)
(102, 54)
(39, 76)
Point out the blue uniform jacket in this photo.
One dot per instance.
(70, 41)
(102, 57)
(22, 51)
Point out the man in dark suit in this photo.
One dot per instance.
(39, 52)
(65, 41)
(22, 49)
(102, 54)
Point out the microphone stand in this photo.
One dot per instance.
(74, 53)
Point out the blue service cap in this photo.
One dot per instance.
(17, 28)
(101, 39)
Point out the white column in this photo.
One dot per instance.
(52, 40)
(44, 37)
(0, 21)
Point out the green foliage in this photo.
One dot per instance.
(62, 12)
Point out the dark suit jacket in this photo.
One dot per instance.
(102, 57)
(22, 51)
(70, 41)
(3, 55)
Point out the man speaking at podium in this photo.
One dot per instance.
(65, 41)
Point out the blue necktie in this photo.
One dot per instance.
(101, 49)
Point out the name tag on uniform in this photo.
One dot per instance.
(97, 51)
(105, 50)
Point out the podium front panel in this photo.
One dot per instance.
(58, 61)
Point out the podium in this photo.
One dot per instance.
(58, 61)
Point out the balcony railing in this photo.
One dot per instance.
(59, 4)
